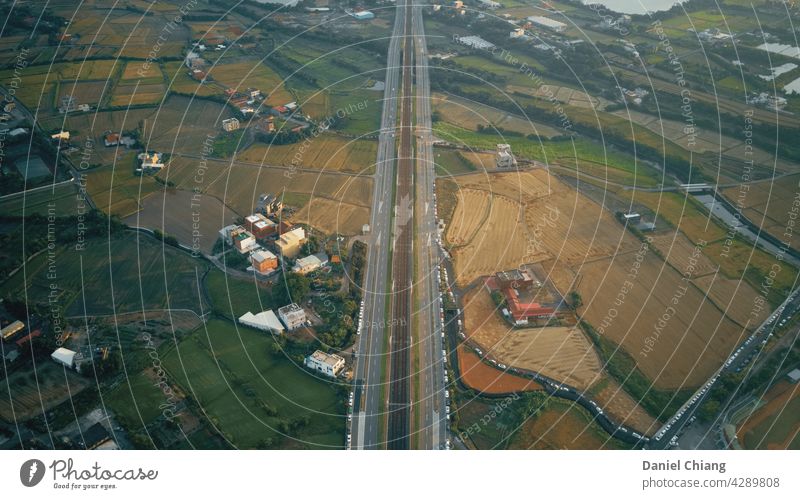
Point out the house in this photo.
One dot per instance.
(263, 261)
(63, 135)
(490, 4)
(243, 240)
(260, 225)
(96, 437)
(266, 321)
(230, 124)
(363, 15)
(546, 22)
(292, 315)
(504, 158)
(225, 233)
(18, 132)
(290, 242)
(269, 204)
(517, 33)
(111, 139)
(8, 332)
(328, 364)
(150, 161)
(310, 263)
(65, 357)
(516, 279)
(28, 337)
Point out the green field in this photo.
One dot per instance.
(254, 397)
(233, 297)
(127, 273)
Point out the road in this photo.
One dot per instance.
(369, 401)
(430, 416)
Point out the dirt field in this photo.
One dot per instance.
(485, 379)
(471, 211)
(558, 352)
(735, 297)
(125, 95)
(562, 426)
(183, 124)
(84, 92)
(677, 250)
(174, 213)
(775, 425)
(52, 385)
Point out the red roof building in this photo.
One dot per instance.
(28, 337)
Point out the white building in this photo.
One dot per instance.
(328, 364)
(504, 158)
(292, 315)
(490, 4)
(309, 264)
(230, 124)
(546, 22)
(64, 357)
(517, 33)
(150, 161)
(476, 42)
(266, 321)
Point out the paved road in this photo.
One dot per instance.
(369, 404)
(430, 417)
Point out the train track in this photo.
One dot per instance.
(400, 362)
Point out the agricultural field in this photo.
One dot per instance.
(138, 85)
(255, 74)
(326, 153)
(24, 394)
(115, 188)
(332, 217)
(562, 425)
(255, 398)
(774, 424)
(122, 274)
(63, 197)
(478, 376)
(176, 212)
(182, 124)
(454, 162)
(238, 187)
(528, 217)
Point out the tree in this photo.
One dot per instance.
(576, 299)
(293, 289)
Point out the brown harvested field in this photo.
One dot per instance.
(693, 342)
(22, 396)
(500, 243)
(775, 425)
(136, 70)
(84, 92)
(769, 203)
(735, 297)
(678, 250)
(485, 379)
(326, 153)
(125, 95)
(563, 425)
(471, 211)
(561, 353)
(174, 212)
(556, 223)
(622, 408)
(332, 216)
(459, 111)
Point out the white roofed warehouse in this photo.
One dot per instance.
(266, 321)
